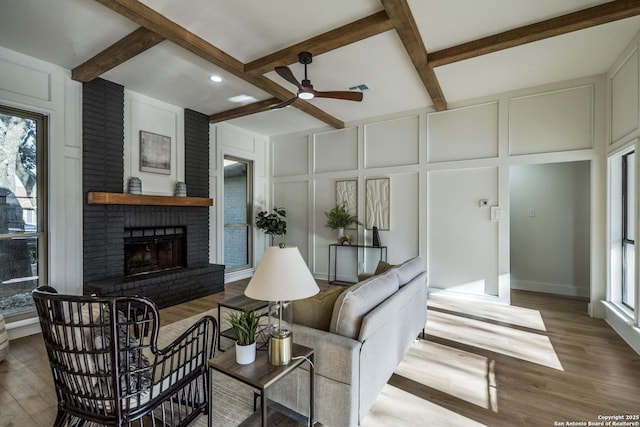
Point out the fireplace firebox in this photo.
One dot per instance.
(149, 250)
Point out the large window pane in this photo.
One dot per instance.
(630, 197)
(628, 291)
(22, 225)
(628, 230)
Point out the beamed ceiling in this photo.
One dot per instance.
(412, 53)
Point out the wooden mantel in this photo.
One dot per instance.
(99, 198)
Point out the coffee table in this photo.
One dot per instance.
(261, 374)
(237, 303)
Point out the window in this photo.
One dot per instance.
(23, 246)
(238, 196)
(628, 229)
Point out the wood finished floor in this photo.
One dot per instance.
(596, 373)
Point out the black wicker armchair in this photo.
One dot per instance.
(108, 369)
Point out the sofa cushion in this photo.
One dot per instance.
(352, 305)
(315, 312)
(408, 270)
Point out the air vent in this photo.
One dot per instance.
(361, 87)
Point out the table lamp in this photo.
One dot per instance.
(281, 277)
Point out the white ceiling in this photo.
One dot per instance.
(69, 32)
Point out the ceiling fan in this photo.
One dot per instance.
(305, 88)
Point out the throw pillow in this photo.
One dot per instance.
(315, 312)
(133, 363)
(382, 267)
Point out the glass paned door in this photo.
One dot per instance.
(22, 210)
(237, 209)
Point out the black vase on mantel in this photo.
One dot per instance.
(376, 237)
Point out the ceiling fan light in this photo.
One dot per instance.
(306, 95)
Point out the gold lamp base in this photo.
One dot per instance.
(280, 349)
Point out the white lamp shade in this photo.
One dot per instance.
(282, 275)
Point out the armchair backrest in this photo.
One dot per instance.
(97, 348)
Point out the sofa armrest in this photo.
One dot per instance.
(336, 357)
(410, 300)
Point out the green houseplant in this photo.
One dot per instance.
(273, 224)
(245, 325)
(339, 217)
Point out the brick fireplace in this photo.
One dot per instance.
(169, 244)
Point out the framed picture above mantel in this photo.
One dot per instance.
(155, 153)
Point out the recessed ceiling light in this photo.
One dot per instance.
(215, 79)
(241, 99)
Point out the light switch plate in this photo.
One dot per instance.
(496, 213)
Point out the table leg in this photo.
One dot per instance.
(219, 329)
(210, 385)
(263, 403)
(311, 391)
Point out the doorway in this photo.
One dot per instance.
(238, 205)
(550, 215)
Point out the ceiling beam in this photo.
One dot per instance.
(154, 21)
(119, 52)
(350, 33)
(405, 25)
(245, 110)
(582, 19)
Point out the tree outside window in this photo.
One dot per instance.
(22, 214)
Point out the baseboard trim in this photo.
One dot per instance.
(549, 288)
(23, 328)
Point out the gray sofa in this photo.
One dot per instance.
(373, 323)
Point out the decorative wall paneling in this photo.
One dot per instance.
(625, 103)
(335, 150)
(448, 141)
(555, 121)
(392, 143)
(440, 165)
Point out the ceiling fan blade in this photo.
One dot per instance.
(286, 74)
(284, 104)
(339, 94)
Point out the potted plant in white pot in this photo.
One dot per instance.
(245, 326)
(339, 218)
(273, 223)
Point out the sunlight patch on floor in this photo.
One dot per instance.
(529, 346)
(397, 408)
(466, 376)
(518, 316)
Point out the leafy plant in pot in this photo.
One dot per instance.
(273, 223)
(245, 325)
(339, 218)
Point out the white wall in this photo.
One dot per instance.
(144, 113)
(441, 164)
(34, 85)
(623, 81)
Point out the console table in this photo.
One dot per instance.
(334, 248)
